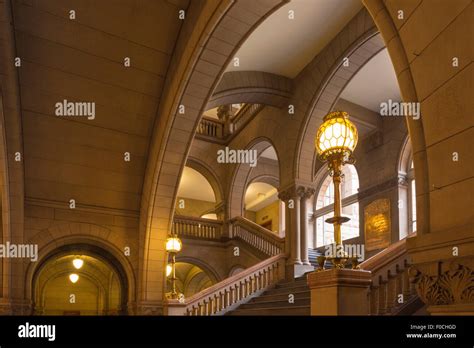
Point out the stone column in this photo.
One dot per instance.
(304, 193)
(340, 292)
(292, 231)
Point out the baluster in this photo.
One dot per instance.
(382, 297)
(406, 284)
(399, 287)
(391, 291)
(374, 300)
(216, 304)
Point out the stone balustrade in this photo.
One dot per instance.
(211, 128)
(233, 291)
(245, 114)
(391, 289)
(256, 236)
(199, 228)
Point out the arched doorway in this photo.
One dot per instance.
(79, 279)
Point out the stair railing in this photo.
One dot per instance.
(233, 291)
(256, 236)
(391, 289)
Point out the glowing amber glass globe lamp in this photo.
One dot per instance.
(173, 245)
(337, 136)
(335, 143)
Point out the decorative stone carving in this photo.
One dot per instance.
(455, 286)
(402, 180)
(223, 112)
(305, 192)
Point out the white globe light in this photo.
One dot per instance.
(77, 263)
(73, 277)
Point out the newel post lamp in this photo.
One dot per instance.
(335, 142)
(173, 246)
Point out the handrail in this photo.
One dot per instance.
(236, 289)
(245, 114)
(384, 257)
(256, 236)
(194, 227)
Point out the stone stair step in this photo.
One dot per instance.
(287, 290)
(278, 297)
(295, 310)
(306, 301)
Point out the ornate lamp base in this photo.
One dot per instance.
(337, 262)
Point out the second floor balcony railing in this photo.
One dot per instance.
(216, 130)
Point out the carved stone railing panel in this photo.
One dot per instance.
(452, 283)
(233, 291)
(256, 236)
(191, 227)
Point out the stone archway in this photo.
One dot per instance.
(205, 47)
(240, 178)
(89, 237)
(101, 270)
(212, 178)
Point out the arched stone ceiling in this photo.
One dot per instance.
(284, 46)
(82, 60)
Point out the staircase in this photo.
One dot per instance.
(277, 301)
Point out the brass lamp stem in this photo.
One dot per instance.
(337, 208)
(174, 293)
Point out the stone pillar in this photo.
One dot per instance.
(340, 292)
(304, 194)
(281, 219)
(292, 231)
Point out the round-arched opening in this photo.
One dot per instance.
(324, 207)
(190, 279)
(79, 280)
(262, 205)
(196, 196)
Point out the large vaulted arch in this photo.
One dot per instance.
(205, 46)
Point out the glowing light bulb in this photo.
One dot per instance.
(77, 263)
(73, 277)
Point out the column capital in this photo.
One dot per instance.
(305, 192)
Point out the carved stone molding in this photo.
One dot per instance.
(454, 286)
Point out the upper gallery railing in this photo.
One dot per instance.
(391, 289)
(211, 128)
(218, 131)
(233, 291)
(245, 114)
(193, 227)
(256, 236)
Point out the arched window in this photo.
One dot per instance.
(324, 208)
(406, 190)
(412, 198)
